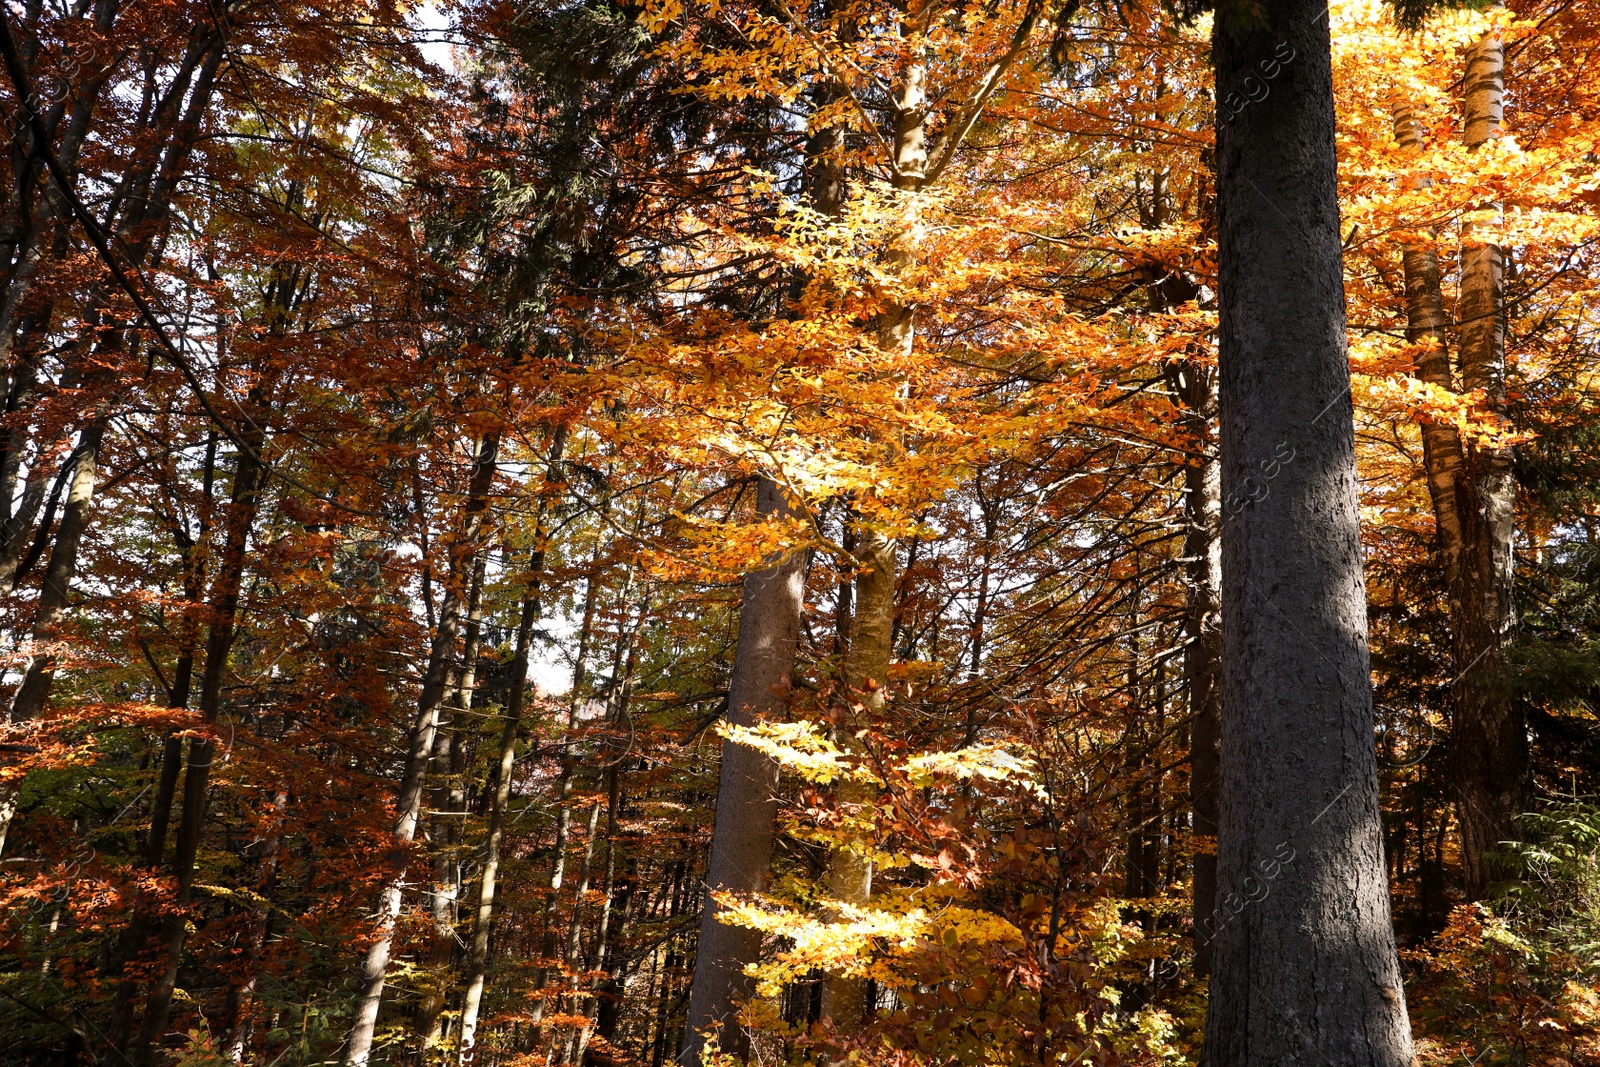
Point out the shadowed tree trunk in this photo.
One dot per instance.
(450, 798)
(747, 790)
(1305, 969)
(1202, 624)
(1195, 384)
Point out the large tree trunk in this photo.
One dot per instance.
(1489, 740)
(747, 791)
(1304, 968)
(764, 657)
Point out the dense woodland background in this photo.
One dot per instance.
(360, 359)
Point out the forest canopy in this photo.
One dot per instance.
(618, 533)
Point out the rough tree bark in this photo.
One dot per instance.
(747, 790)
(1305, 969)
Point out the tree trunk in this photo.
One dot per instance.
(500, 796)
(500, 800)
(245, 500)
(866, 667)
(155, 847)
(451, 801)
(1490, 739)
(1202, 624)
(419, 746)
(235, 1021)
(558, 866)
(600, 958)
(1425, 325)
(1304, 969)
(747, 791)
(866, 672)
(154, 176)
(58, 575)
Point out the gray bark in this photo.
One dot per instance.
(747, 791)
(1305, 970)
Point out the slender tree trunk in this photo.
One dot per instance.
(451, 801)
(244, 503)
(602, 942)
(1305, 969)
(58, 575)
(610, 995)
(1490, 738)
(500, 800)
(516, 700)
(154, 175)
(980, 619)
(572, 953)
(1425, 325)
(235, 1023)
(569, 769)
(866, 668)
(134, 938)
(1202, 624)
(866, 674)
(375, 967)
(1195, 385)
(558, 866)
(747, 791)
